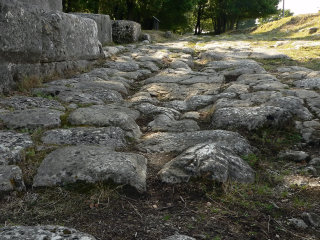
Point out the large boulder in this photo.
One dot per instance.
(38, 43)
(124, 31)
(104, 26)
(46, 5)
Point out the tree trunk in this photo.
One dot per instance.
(197, 30)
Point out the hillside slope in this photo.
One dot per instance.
(294, 27)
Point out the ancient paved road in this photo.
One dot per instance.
(160, 98)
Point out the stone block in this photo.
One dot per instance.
(34, 43)
(104, 26)
(46, 5)
(124, 31)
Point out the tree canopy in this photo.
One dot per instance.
(179, 14)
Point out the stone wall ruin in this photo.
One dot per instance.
(38, 40)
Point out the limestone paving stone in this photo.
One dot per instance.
(260, 97)
(42, 232)
(123, 66)
(12, 146)
(91, 164)
(296, 156)
(178, 142)
(11, 179)
(105, 116)
(167, 123)
(32, 118)
(110, 136)
(173, 91)
(150, 109)
(179, 237)
(310, 83)
(219, 162)
(293, 105)
(314, 105)
(250, 118)
(233, 64)
(184, 77)
(24, 102)
(87, 82)
(143, 97)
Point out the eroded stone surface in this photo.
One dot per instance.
(311, 83)
(11, 179)
(12, 146)
(179, 237)
(178, 142)
(23, 102)
(107, 115)
(109, 136)
(250, 117)
(32, 118)
(42, 232)
(91, 164)
(216, 161)
(167, 123)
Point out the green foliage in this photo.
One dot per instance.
(178, 15)
(251, 159)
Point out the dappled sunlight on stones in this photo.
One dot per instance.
(216, 161)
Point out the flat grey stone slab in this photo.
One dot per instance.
(250, 118)
(107, 115)
(179, 237)
(11, 179)
(32, 118)
(123, 66)
(85, 82)
(91, 164)
(311, 83)
(217, 161)
(232, 64)
(184, 77)
(178, 142)
(12, 146)
(23, 102)
(260, 97)
(293, 105)
(42, 232)
(150, 109)
(167, 123)
(310, 131)
(174, 91)
(113, 137)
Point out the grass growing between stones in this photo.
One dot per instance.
(27, 83)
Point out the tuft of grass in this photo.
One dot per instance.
(28, 83)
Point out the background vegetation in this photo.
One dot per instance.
(180, 15)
